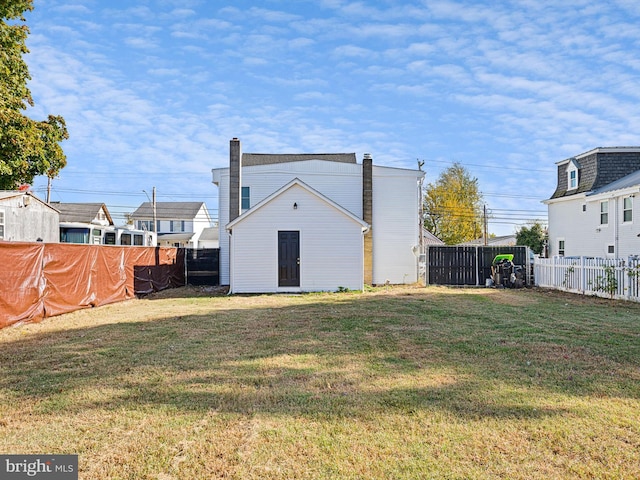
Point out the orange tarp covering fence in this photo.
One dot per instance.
(39, 280)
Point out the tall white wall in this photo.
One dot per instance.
(396, 204)
(582, 232)
(396, 226)
(330, 245)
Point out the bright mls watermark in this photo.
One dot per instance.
(49, 467)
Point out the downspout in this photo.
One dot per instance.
(616, 239)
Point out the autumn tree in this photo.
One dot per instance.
(533, 237)
(453, 206)
(28, 148)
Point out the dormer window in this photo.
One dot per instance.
(572, 175)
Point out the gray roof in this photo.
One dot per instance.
(504, 240)
(211, 233)
(631, 180)
(168, 210)
(597, 169)
(81, 212)
(250, 159)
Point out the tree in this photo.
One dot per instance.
(27, 147)
(533, 237)
(453, 206)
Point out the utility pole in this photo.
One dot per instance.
(486, 227)
(48, 189)
(155, 226)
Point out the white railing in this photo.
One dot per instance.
(611, 278)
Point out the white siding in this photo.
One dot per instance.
(396, 204)
(584, 235)
(395, 225)
(330, 245)
(340, 182)
(222, 177)
(27, 220)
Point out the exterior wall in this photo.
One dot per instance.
(396, 226)
(396, 203)
(584, 235)
(197, 225)
(29, 222)
(340, 182)
(330, 246)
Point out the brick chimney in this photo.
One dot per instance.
(235, 178)
(367, 216)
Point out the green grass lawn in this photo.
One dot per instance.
(388, 384)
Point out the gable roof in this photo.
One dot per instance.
(169, 210)
(300, 183)
(251, 159)
(4, 194)
(81, 212)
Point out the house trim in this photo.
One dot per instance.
(277, 193)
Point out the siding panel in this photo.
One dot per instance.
(330, 245)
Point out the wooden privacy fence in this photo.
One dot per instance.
(469, 265)
(39, 280)
(613, 278)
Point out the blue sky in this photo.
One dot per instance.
(153, 90)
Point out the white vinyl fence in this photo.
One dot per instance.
(611, 278)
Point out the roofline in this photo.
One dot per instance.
(287, 186)
(601, 150)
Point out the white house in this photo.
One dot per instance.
(26, 218)
(316, 222)
(593, 211)
(178, 224)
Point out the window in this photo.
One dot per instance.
(74, 235)
(145, 225)
(246, 198)
(138, 239)
(561, 248)
(125, 239)
(627, 210)
(1, 223)
(611, 249)
(110, 238)
(96, 236)
(176, 225)
(604, 212)
(572, 174)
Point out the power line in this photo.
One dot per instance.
(502, 168)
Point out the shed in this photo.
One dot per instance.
(296, 240)
(26, 218)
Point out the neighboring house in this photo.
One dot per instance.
(26, 218)
(209, 238)
(91, 223)
(178, 224)
(498, 241)
(316, 222)
(430, 239)
(593, 211)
